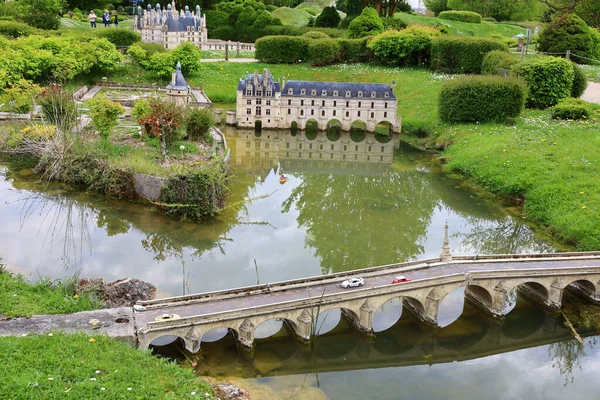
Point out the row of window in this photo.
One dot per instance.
(312, 112)
(258, 102)
(268, 93)
(312, 103)
(347, 93)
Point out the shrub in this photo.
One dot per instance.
(497, 59)
(281, 49)
(549, 79)
(323, 51)
(14, 30)
(573, 109)
(223, 33)
(151, 48)
(461, 54)
(19, 97)
(58, 107)
(490, 19)
(462, 16)
(104, 115)
(437, 6)
(481, 99)
(355, 50)
(570, 32)
(198, 122)
(329, 18)
(163, 122)
(137, 53)
(367, 24)
(393, 23)
(579, 82)
(189, 57)
(411, 46)
(120, 37)
(40, 14)
(141, 109)
(315, 35)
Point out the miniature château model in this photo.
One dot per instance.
(178, 91)
(265, 103)
(171, 28)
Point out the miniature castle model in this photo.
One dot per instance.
(178, 91)
(171, 28)
(265, 103)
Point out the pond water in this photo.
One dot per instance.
(350, 201)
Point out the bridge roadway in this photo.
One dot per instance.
(195, 310)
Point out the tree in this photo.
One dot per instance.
(198, 123)
(562, 6)
(368, 23)
(570, 32)
(42, 14)
(437, 6)
(589, 11)
(163, 122)
(329, 18)
(104, 115)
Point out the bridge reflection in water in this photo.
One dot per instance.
(409, 342)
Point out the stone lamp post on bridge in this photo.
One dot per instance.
(446, 254)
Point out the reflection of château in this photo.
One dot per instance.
(263, 102)
(314, 152)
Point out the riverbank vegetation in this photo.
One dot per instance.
(78, 366)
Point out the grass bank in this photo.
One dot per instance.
(59, 366)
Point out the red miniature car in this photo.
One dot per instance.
(400, 279)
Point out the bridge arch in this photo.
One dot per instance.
(217, 333)
(166, 340)
(268, 328)
(329, 318)
(387, 314)
(383, 128)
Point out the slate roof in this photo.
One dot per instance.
(380, 89)
(181, 24)
(250, 78)
(180, 83)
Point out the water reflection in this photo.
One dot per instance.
(342, 208)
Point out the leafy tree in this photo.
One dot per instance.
(329, 18)
(198, 122)
(368, 23)
(189, 57)
(104, 115)
(263, 19)
(589, 11)
(570, 32)
(41, 14)
(437, 6)
(351, 7)
(163, 122)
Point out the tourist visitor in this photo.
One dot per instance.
(116, 21)
(92, 18)
(106, 19)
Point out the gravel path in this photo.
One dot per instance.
(592, 93)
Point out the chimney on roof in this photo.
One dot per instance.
(393, 86)
(282, 82)
(255, 78)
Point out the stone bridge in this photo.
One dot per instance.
(487, 280)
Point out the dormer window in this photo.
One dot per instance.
(269, 93)
(290, 91)
(313, 92)
(387, 94)
(323, 92)
(347, 93)
(303, 91)
(335, 92)
(259, 92)
(359, 94)
(373, 94)
(248, 92)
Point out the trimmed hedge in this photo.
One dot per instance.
(573, 109)
(462, 16)
(281, 49)
(119, 37)
(462, 54)
(315, 35)
(549, 79)
(579, 82)
(355, 50)
(497, 59)
(482, 99)
(13, 30)
(410, 46)
(323, 51)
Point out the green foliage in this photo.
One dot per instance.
(71, 359)
(355, 50)
(571, 109)
(13, 30)
(189, 57)
(281, 49)
(500, 10)
(58, 107)
(437, 6)
(393, 23)
(104, 115)
(163, 120)
(367, 24)
(19, 298)
(215, 19)
(589, 11)
(120, 37)
(42, 14)
(481, 99)
(579, 82)
(141, 109)
(329, 18)
(198, 122)
(137, 53)
(497, 59)
(19, 97)
(549, 79)
(323, 51)
(569, 32)
(315, 35)
(411, 46)
(263, 19)
(151, 48)
(462, 55)
(463, 16)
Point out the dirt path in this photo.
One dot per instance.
(592, 93)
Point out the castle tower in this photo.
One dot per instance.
(178, 91)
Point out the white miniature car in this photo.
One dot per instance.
(353, 282)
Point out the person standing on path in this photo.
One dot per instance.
(106, 19)
(92, 18)
(116, 20)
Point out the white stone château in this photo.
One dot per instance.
(263, 102)
(171, 27)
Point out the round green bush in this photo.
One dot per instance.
(411, 46)
(462, 54)
(198, 122)
(462, 16)
(549, 79)
(367, 24)
(281, 49)
(482, 99)
(579, 82)
(315, 35)
(571, 33)
(13, 30)
(497, 59)
(573, 109)
(329, 18)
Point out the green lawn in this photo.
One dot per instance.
(69, 23)
(59, 366)
(463, 28)
(291, 16)
(19, 298)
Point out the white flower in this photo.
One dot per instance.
(97, 371)
(128, 388)
(92, 379)
(193, 393)
(49, 334)
(50, 379)
(182, 147)
(102, 388)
